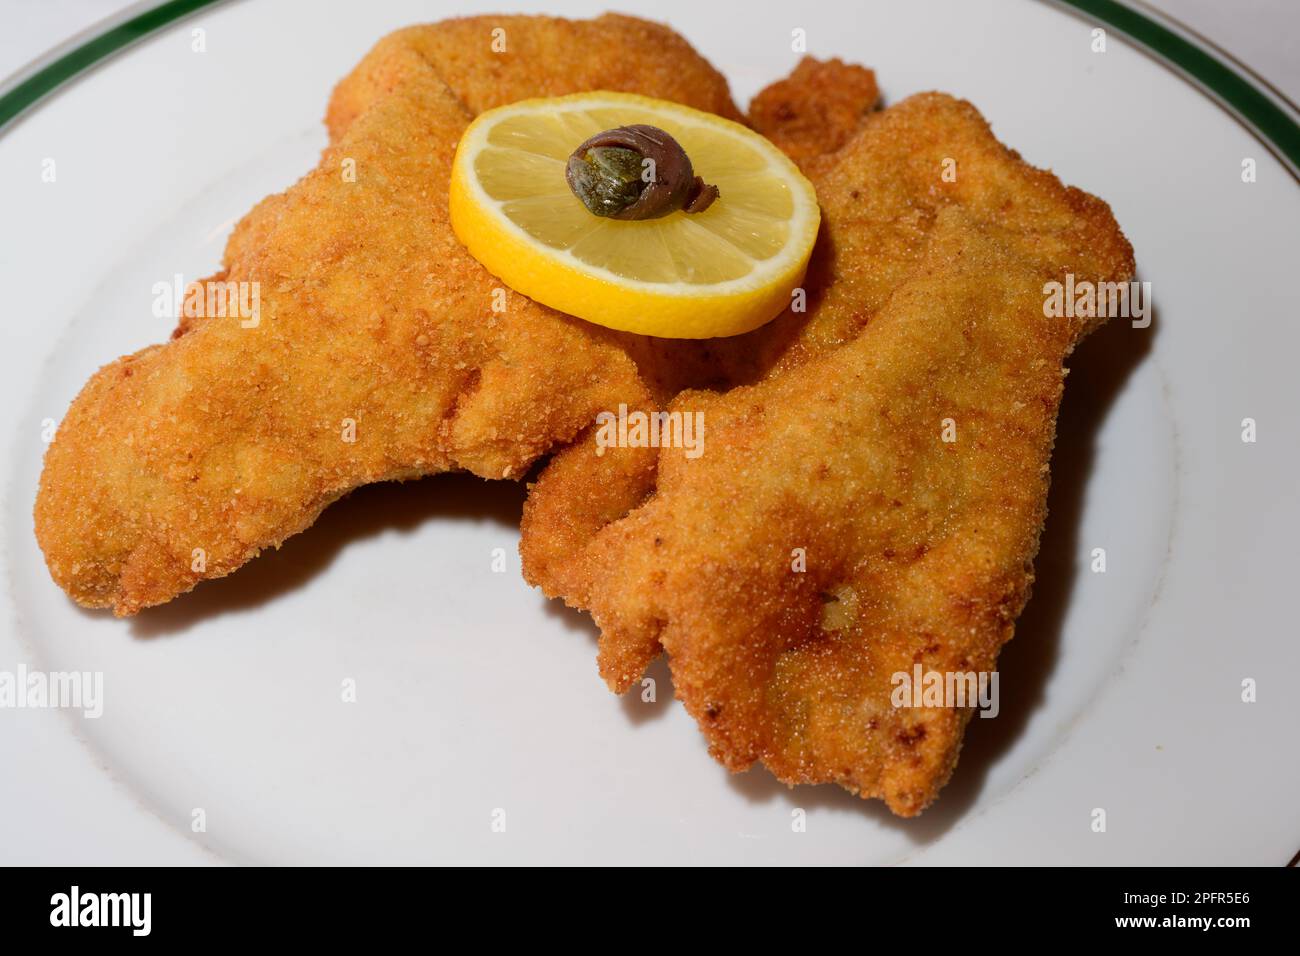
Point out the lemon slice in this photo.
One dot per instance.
(722, 271)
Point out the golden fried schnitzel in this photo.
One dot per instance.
(378, 354)
(875, 460)
(875, 500)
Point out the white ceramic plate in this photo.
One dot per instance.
(1122, 690)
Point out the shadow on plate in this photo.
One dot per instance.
(636, 707)
(368, 511)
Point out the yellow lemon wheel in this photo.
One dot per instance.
(719, 272)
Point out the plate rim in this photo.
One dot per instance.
(1264, 110)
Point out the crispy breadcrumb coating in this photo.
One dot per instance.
(183, 461)
(927, 309)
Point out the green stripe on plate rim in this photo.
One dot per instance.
(1264, 116)
(1269, 121)
(81, 58)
